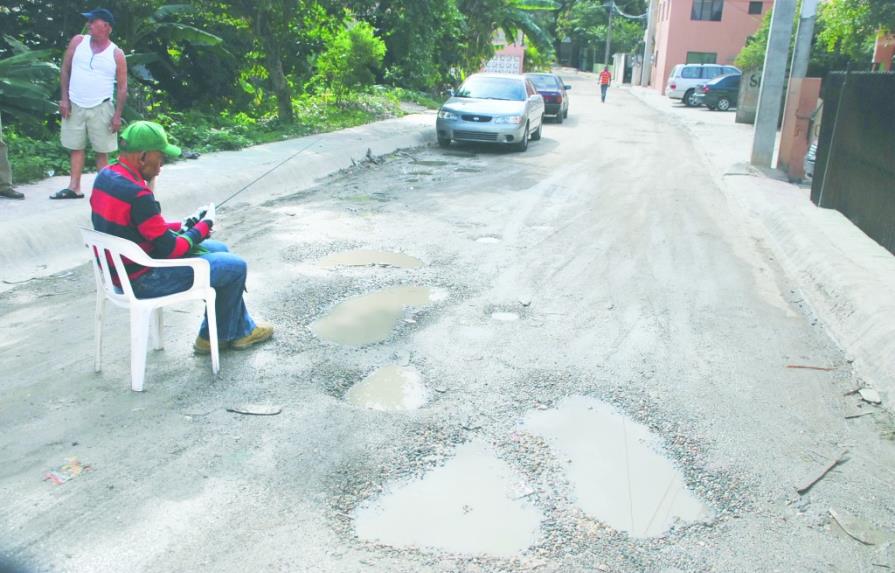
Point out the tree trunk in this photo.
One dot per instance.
(274, 65)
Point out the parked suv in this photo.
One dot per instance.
(684, 78)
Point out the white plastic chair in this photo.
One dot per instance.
(146, 314)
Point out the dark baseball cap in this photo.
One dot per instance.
(100, 14)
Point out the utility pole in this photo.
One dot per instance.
(804, 34)
(609, 33)
(773, 77)
(646, 70)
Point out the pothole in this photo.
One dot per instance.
(617, 475)
(372, 317)
(366, 257)
(391, 387)
(473, 504)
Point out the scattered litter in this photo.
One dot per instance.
(856, 529)
(70, 470)
(859, 414)
(256, 410)
(832, 464)
(870, 395)
(823, 368)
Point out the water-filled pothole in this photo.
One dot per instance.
(366, 257)
(469, 505)
(391, 387)
(614, 468)
(372, 317)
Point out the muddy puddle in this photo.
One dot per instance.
(616, 472)
(365, 258)
(473, 504)
(372, 317)
(389, 388)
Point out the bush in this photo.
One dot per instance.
(350, 60)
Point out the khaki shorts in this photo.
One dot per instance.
(90, 122)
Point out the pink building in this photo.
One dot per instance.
(700, 32)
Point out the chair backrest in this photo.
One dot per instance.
(107, 251)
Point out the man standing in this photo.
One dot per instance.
(124, 205)
(92, 66)
(6, 189)
(605, 80)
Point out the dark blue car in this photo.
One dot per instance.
(720, 93)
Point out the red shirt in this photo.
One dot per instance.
(605, 78)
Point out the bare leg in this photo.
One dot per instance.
(77, 167)
(102, 159)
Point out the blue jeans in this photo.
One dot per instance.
(228, 277)
(603, 88)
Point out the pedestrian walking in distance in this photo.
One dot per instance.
(94, 72)
(605, 79)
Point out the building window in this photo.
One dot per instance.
(702, 57)
(755, 7)
(707, 10)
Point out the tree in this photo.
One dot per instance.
(351, 59)
(852, 26)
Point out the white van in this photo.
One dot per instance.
(685, 77)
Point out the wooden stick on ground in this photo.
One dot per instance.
(810, 483)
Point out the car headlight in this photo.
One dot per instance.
(508, 119)
(446, 114)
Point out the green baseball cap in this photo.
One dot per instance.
(147, 136)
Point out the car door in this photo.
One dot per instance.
(535, 105)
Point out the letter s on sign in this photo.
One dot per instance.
(754, 80)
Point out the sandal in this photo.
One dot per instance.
(66, 194)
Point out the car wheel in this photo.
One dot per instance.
(537, 135)
(523, 144)
(724, 104)
(689, 100)
(559, 116)
(444, 141)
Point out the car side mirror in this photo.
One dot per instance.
(568, 87)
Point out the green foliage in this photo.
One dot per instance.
(351, 58)
(586, 22)
(851, 26)
(25, 80)
(751, 57)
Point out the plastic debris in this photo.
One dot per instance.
(870, 395)
(68, 471)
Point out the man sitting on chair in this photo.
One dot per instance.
(124, 205)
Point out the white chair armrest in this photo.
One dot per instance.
(201, 267)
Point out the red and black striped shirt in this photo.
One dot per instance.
(124, 206)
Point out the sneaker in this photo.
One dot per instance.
(261, 333)
(11, 194)
(203, 345)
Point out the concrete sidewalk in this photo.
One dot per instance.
(41, 236)
(846, 277)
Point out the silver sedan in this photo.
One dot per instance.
(493, 108)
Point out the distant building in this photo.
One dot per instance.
(698, 32)
(509, 58)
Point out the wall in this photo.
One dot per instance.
(677, 34)
(858, 141)
(801, 101)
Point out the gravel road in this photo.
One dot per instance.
(600, 281)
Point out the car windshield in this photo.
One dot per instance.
(544, 82)
(492, 88)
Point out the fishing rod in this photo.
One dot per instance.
(269, 171)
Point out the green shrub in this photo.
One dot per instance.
(350, 60)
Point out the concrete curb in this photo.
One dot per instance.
(846, 278)
(42, 236)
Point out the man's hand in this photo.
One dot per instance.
(115, 124)
(65, 108)
(191, 221)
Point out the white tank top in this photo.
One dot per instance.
(92, 78)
